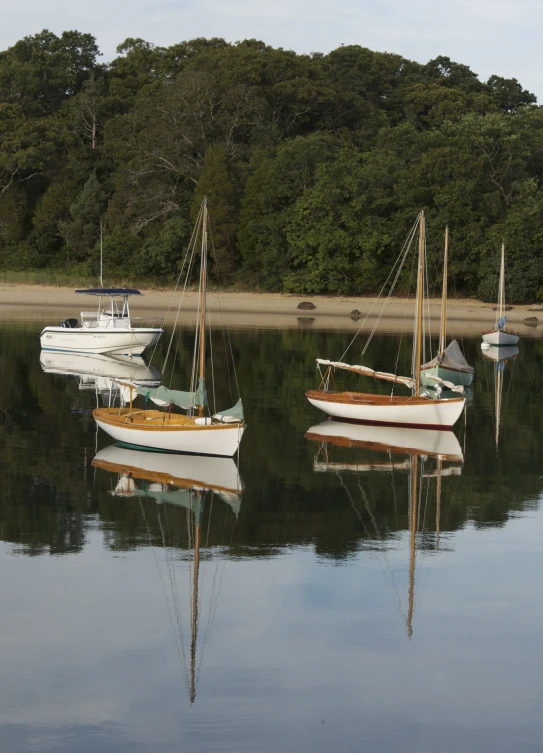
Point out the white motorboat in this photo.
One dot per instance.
(108, 329)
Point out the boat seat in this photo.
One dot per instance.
(70, 323)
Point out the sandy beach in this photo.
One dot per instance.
(465, 317)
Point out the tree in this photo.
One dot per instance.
(82, 231)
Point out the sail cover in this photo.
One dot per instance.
(451, 358)
(407, 381)
(232, 415)
(184, 400)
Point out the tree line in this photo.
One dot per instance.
(315, 166)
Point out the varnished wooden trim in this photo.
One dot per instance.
(358, 398)
(165, 421)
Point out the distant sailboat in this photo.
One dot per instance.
(500, 336)
(499, 356)
(449, 364)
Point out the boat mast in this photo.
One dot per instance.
(444, 294)
(194, 620)
(420, 296)
(203, 281)
(101, 255)
(412, 544)
(501, 293)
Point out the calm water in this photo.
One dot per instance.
(322, 624)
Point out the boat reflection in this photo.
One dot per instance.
(99, 373)
(418, 446)
(190, 482)
(499, 355)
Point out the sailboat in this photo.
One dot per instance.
(417, 410)
(449, 364)
(418, 445)
(189, 482)
(499, 356)
(193, 432)
(500, 336)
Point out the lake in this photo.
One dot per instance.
(353, 591)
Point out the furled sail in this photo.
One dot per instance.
(232, 415)
(406, 381)
(452, 358)
(182, 399)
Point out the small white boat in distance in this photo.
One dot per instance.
(500, 336)
(108, 329)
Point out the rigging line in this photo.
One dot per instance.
(403, 253)
(392, 288)
(178, 339)
(366, 531)
(191, 249)
(178, 637)
(212, 366)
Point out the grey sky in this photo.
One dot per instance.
(491, 36)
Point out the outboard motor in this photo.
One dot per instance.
(70, 323)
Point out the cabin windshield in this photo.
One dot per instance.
(116, 308)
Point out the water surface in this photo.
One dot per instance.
(323, 623)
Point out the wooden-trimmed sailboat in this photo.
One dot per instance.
(190, 483)
(193, 432)
(500, 336)
(418, 410)
(449, 364)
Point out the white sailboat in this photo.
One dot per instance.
(191, 483)
(108, 329)
(500, 356)
(418, 410)
(449, 364)
(418, 445)
(500, 336)
(193, 432)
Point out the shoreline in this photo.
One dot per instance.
(465, 317)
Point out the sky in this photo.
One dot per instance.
(501, 37)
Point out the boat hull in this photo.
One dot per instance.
(388, 411)
(220, 440)
(443, 444)
(464, 378)
(126, 341)
(501, 338)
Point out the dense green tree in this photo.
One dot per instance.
(82, 231)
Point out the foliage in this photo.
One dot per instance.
(315, 166)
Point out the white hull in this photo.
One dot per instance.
(194, 470)
(501, 354)
(413, 441)
(123, 341)
(199, 440)
(96, 365)
(500, 338)
(430, 414)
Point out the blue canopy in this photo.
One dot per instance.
(109, 291)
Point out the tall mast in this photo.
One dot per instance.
(438, 502)
(194, 620)
(412, 544)
(101, 255)
(203, 283)
(501, 294)
(442, 334)
(420, 296)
